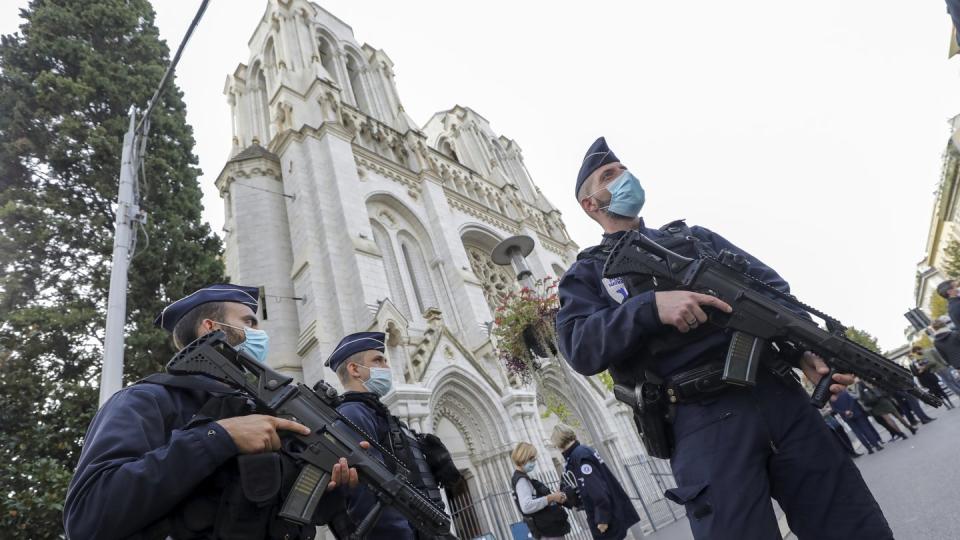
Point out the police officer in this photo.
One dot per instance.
(161, 458)
(733, 447)
(951, 292)
(609, 510)
(365, 375)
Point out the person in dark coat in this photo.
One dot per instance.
(951, 292)
(853, 414)
(879, 404)
(936, 364)
(911, 409)
(161, 456)
(733, 448)
(366, 377)
(607, 506)
(929, 380)
(947, 343)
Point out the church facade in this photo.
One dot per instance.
(354, 218)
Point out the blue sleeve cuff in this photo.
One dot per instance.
(647, 315)
(212, 441)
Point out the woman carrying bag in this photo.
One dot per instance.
(540, 508)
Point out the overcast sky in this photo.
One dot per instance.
(809, 134)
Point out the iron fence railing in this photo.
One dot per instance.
(490, 513)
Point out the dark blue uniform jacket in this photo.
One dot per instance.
(137, 464)
(948, 345)
(598, 325)
(603, 498)
(953, 309)
(392, 525)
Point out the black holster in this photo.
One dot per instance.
(651, 414)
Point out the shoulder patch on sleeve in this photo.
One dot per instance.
(615, 288)
(586, 469)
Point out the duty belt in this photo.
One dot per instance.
(696, 384)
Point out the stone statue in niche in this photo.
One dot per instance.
(283, 116)
(329, 106)
(423, 154)
(399, 149)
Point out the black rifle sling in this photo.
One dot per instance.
(384, 437)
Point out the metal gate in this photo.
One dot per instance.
(490, 512)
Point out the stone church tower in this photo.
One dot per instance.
(354, 218)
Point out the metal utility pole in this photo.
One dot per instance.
(124, 242)
(129, 216)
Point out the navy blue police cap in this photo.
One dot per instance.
(598, 155)
(943, 287)
(354, 343)
(220, 292)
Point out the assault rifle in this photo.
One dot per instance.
(762, 317)
(332, 436)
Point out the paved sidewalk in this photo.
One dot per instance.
(916, 482)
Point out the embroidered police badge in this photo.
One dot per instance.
(616, 289)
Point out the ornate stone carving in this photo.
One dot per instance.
(330, 106)
(495, 280)
(283, 116)
(387, 219)
(461, 203)
(387, 170)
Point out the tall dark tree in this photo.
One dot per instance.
(951, 259)
(67, 80)
(863, 338)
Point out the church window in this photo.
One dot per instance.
(327, 58)
(264, 108)
(397, 294)
(356, 83)
(261, 107)
(495, 280)
(269, 57)
(418, 272)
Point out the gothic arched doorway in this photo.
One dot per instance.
(466, 414)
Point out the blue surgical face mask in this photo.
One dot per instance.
(529, 467)
(256, 343)
(626, 196)
(380, 381)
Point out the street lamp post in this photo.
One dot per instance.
(513, 252)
